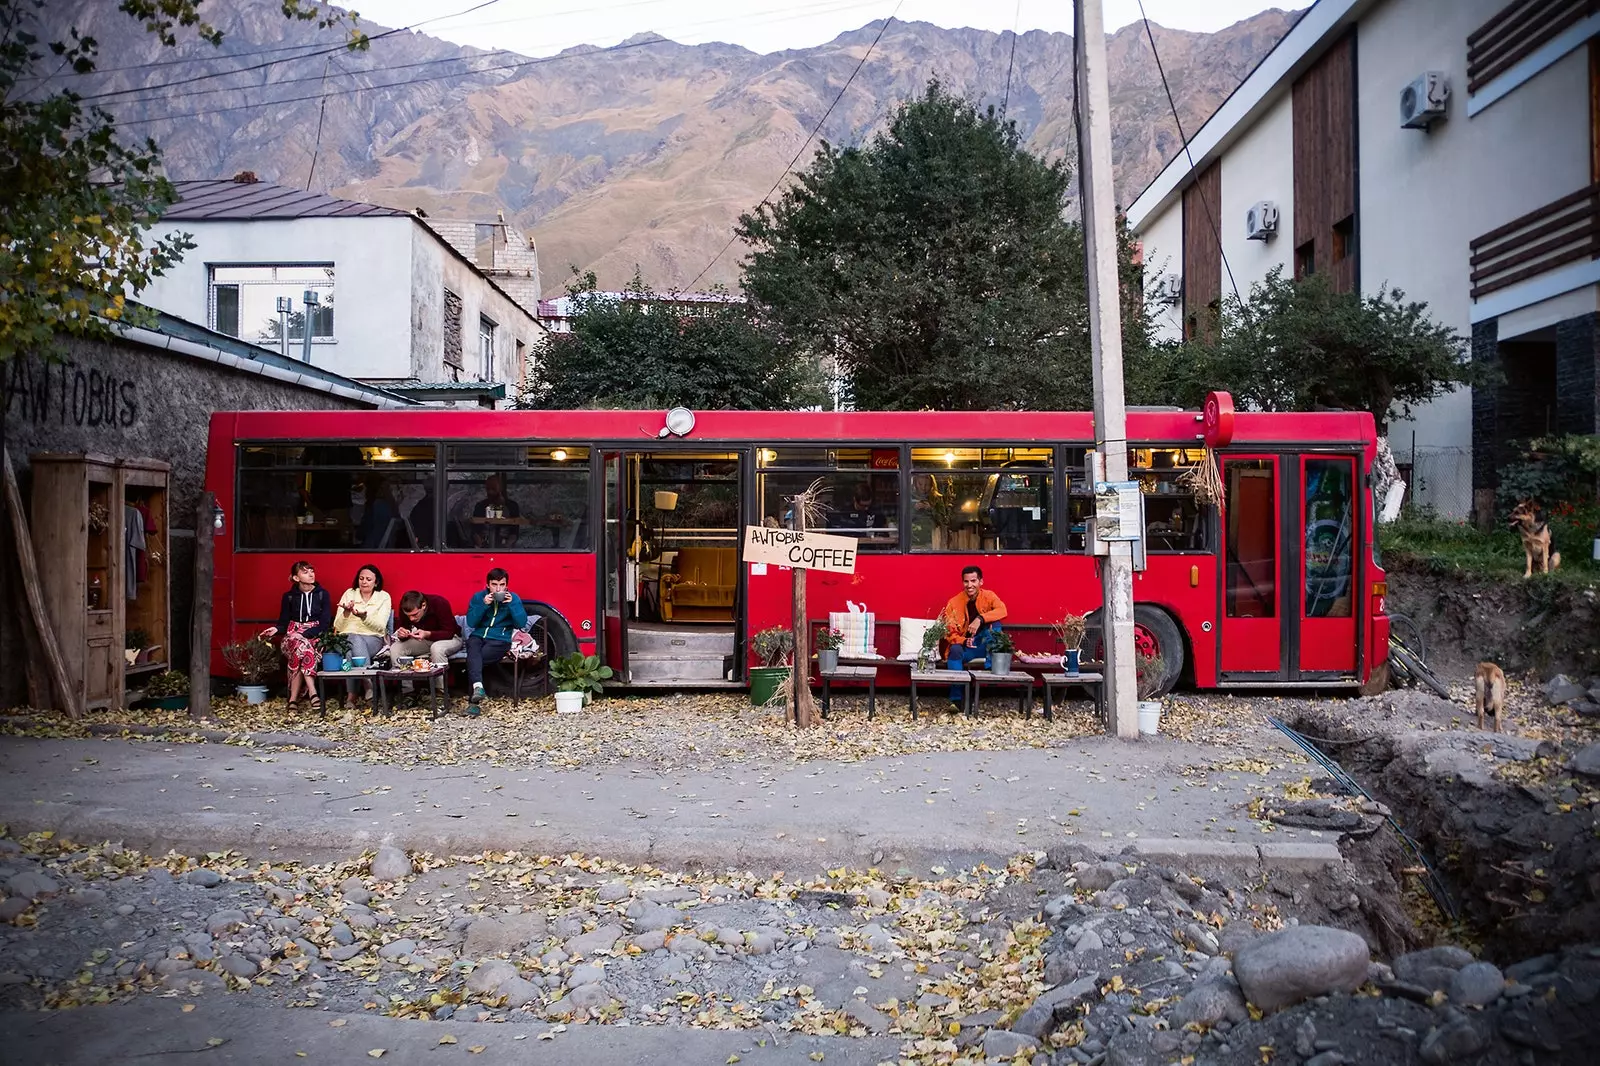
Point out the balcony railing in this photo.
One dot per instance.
(1552, 236)
(1517, 31)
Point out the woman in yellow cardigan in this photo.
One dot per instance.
(363, 616)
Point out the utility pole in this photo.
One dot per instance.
(1093, 99)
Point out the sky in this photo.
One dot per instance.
(544, 27)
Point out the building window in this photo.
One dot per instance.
(486, 330)
(1305, 260)
(244, 301)
(1344, 238)
(452, 329)
(522, 362)
(486, 237)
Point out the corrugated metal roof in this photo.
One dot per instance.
(227, 199)
(487, 389)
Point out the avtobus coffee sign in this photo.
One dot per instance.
(803, 551)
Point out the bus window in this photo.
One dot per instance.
(862, 488)
(1328, 537)
(1173, 519)
(1080, 496)
(509, 497)
(982, 499)
(333, 497)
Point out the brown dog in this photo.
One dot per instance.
(1490, 682)
(1528, 522)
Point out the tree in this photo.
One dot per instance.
(1299, 345)
(643, 350)
(934, 265)
(78, 200)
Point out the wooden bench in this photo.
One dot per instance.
(1094, 682)
(867, 674)
(943, 678)
(1019, 679)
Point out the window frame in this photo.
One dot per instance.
(1210, 533)
(488, 336)
(1057, 504)
(362, 442)
(330, 287)
(831, 445)
(586, 467)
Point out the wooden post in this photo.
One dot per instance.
(805, 708)
(66, 695)
(200, 620)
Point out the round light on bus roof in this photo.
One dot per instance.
(559, 455)
(680, 420)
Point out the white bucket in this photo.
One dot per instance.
(253, 693)
(1149, 717)
(569, 702)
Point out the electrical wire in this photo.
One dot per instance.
(809, 138)
(1216, 229)
(1016, 20)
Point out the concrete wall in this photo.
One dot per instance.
(434, 269)
(1259, 166)
(370, 258)
(1163, 256)
(128, 401)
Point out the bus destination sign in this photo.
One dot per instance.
(802, 551)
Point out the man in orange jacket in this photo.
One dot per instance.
(970, 618)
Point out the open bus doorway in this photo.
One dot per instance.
(672, 594)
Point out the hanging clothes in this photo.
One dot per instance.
(133, 526)
(143, 507)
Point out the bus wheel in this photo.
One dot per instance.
(558, 634)
(1154, 633)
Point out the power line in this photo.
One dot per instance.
(1016, 20)
(316, 146)
(1210, 217)
(812, 135)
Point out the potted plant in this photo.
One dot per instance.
(1001, 649)
(930, 647)
(771, 649)
(335, 650)
(829, 641)
(256, 661)
(1069, 631)
(168, 690)
(577, 677)
(133, 643)
(1149, 670)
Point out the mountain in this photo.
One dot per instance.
(641, 153)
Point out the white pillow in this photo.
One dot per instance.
(912, 631)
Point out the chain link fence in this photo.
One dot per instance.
(1438, 480)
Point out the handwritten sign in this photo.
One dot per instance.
(803, 551)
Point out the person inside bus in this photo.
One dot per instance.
(496, 512)
(304, 614)
(421, 517)
(427, 626)
(971, 618)
(363, 616)
(862, 515)
(382, 512)
(492, 617)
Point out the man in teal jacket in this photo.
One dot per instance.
(492, 616)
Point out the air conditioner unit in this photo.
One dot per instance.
(1261, 221)
(1169, 289)
(1422, 103)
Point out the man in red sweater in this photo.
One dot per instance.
(427, 627)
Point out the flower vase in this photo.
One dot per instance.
(1069, 661)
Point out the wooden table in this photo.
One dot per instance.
(868, 674)
(1020, 679)
(365, 671)
(959, 678)
(1094, 682)
(403, 675)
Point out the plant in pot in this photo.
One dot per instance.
(133, 643)
(771, 649)
(1149, 671)
(335, 651)
(930, 647)
(1069, 631)
(1001, 649)
(829, 641)
(168, 690)
(256, 661)
(577, 677)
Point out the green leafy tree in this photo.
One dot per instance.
(1299, 345)
(78, 200)
(643, 351)
(933, 266)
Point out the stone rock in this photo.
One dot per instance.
(1477, 984)
(876, 938)
(397, 949)
(1065, 856)
(877, 898)
(341, 934)
(518, 992)
(1587, 761)
(355, 890)
(614, 891)
(203, 877)
(1210, 1002)
(1562, 689)
(172, 966)
(1298, 963)
(1305, 1039)
(1413, 966)
(761, 943)
(1089, 941)
(691, 945)
(225, 921)
(391, 863)
(360, 920)
(600, 939)
(1039, 1020)
(552, 959)
(1101, 875)
(1001, 1044)
(651, 941)
(591, 997)
(31, 884)
(1059, 967)
(1521, 971)
(648, 917)
(237, 966)
(587, 974)
(488, 976)
(14, 908)
(504, 934)
(673, 895)
(1455, 1041)
(347, 952)
(1327, 1058)
(193, 981)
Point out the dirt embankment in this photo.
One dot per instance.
(1542, 627)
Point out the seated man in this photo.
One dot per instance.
(492, 616)
(427, 628)
(970, 619)
(497, 512)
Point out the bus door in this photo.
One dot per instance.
(1250, 642)
(1326, 526)
(614, 563)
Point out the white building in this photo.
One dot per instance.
(1449, 149)
(445, 315)
(556, 315)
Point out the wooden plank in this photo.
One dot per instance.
(28, 563)
(200, 621)
(1202, 248)
(1589, 250)
(1594, 110)
(1504, 246)
(1527, 40)
(1583, 235)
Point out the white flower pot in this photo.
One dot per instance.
(1149, 717)
(253, 693)
(569, 702)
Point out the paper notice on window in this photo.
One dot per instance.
(1118, 510)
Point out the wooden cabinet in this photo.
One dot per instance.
(100, 532)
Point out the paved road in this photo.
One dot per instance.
(916, 811)
(157, 1032)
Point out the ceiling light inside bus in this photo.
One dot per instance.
(768, 455)
(949, 458)
(386, 454)
(559, 455)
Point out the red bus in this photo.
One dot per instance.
(627, 533)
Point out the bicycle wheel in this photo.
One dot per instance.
(1408, 634)
(1419, 670)
(1399, 673)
